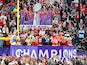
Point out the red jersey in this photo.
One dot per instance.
(64, 43)
(39, 40)
(34, 43)
(1, 23)
(77, 17)
(54, 41)
(59, 40)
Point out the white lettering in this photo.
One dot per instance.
(53, 53)
(70, 54)
(26, 52)
(65, 53)
(45, 54)
(18, 52)
(74, 53)
(33, 54)
(60, 53)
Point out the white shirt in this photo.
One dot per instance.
(2, 62)
(42, 33)
(3, 17)
(26, 64)
(13, 43)
(13, 38)
(51, 2)
(0, 3)
(13, 63)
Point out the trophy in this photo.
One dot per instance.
(36, 9)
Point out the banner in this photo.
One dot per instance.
(4, 51)
(81, 53)
(44, 51)
(23, 50)
(28, 19)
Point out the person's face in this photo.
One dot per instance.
(81, 22)
(66, 5)
(77, 12)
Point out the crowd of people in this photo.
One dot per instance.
(68, 19)
(8, 19)
(69, 28)
(27, 60)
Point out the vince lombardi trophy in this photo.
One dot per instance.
(36, 9)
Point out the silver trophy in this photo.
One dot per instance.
(36, 9)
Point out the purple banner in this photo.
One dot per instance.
(26, 19)
(82, 53)
(61, 51)
(23, 50)
(44, 51)
(4, 51)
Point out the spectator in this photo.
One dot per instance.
(60, 19)
(78, 62)
(1, 41)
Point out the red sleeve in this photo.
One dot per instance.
(8, 43)
(3, 1)
(34, 43)
(85, 11)
(66, 43)
(1, 23)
